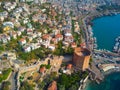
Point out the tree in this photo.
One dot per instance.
(5, 74)
(30, 78)
(70, 50)
(5, 85)
(61, 87)
(59, 50)
(73, 87)
(26, 86)
(71, 82)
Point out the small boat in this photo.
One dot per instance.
(116, 47)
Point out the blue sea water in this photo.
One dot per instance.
(111, 82)
(106, 29)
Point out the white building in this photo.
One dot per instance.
(27, 48)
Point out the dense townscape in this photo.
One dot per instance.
(45, 45)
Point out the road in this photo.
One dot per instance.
(13, 81)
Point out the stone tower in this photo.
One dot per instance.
(81, 58)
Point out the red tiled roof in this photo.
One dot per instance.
(53, 86)
(82, 44)
(46, 36)
(73, 45)
(42, 69)
(58, 36)
(22, 39)
(69, 66)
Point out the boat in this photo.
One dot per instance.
(116, 47)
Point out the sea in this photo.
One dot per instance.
(106, 29)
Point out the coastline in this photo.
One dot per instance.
(86, 32)
(115, 77)
(103, 15)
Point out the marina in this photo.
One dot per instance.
(105, 61)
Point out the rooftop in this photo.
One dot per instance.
(82, 51)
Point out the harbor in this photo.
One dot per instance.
(105, 61)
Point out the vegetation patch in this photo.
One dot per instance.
(5, 74)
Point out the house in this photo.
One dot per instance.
(29, 25)
(59, 37)
(68, 38)
(39, 34)
(2, 18)
(67, 11)
(30, 38)
(9, 6)
(34, 35)
(66, 43)
(4, 40)
(0, 38)
(30, 31)
(32, 45)
(39, 40)
(18, 10)
(69, 66)
(13, 34)
(46, 40)
(29, 0)
(9, 24)
(68, 34)
(83, 45)
(53, 86)
(73, 45)
(55, 31)
(22, 0)
(54, 40)
(4, 14)
(42, 70)
(6, 28)
(37, 45)
(77, 28)
(21, 29)
(16, 14)
(46, 37)
(19, 33)
(42, 1)
(8, 37)
(22, 41)
(51, 47)
(35, 18)
(26, 48)
(26, 20)
(45, 43)
(0, 72)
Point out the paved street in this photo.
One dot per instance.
(12, 79)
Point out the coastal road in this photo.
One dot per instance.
(86, 32)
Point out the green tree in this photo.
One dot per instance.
(61, 87)
(5, 85)
(26, 86)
